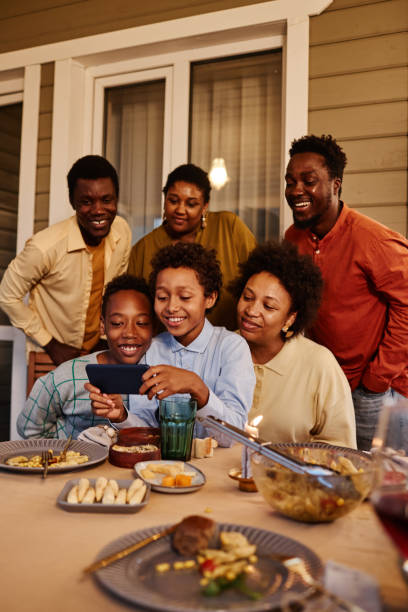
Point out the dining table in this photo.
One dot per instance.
(44, 548)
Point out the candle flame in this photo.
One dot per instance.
(256, 420)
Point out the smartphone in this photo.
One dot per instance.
(117, 378)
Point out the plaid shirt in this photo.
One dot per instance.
(58, 404)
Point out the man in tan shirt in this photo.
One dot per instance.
(65, 267)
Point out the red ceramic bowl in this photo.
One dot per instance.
(146, 443)
(139, 435)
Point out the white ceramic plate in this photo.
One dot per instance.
(97, 506)
(196, 483)
(136, 580)
(35, 446)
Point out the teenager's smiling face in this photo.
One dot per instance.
(128, 325)
(180, 303)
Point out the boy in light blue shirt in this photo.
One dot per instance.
(192, 357)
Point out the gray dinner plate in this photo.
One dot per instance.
(197, 482)
(97, 506)
(35, 446)
(135, 579)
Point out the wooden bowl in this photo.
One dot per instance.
(135, 437)
(139, 435)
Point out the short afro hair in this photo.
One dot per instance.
(189, 173)
(326, 146)
(125, 282)
(91, 167)
(194, 257)
(297, 273)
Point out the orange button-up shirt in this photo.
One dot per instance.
(363, 318)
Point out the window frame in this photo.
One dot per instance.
(96, 135)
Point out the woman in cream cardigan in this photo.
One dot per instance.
(300, 391)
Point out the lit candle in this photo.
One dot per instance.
(252, 429)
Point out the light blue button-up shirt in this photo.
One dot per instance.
(222, 360)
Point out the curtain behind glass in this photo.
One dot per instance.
(10, 139)
(134, 121)
(236, 115)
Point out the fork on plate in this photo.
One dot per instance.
(45, 459)
(63, 453)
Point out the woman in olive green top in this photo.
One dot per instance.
(186, 218)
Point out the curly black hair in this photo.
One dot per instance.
(91, 167)
(189, 255)
(125, 282)
(326, 146)
(189, 173)
(297, 273)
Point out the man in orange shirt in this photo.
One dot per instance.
(363, 319)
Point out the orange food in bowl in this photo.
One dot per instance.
(183, 480)
(168, 481)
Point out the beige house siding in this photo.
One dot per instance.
(28, 23)
(359, 93)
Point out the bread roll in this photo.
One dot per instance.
(83, 486)
(89, 496)
(100, 485)
(114, 486)
(135, 486)
(108, 494)
(73, 495)
(121, 497)
(138, 496)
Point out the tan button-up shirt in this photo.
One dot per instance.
(303, 396)
(55, 268)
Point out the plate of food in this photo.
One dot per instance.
(102, 495)
(160, 578)
(166, 476)
(25, 455)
